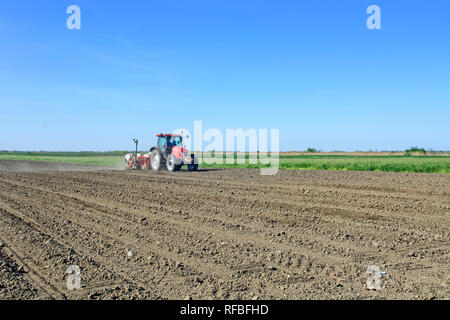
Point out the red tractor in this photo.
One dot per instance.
(168, 153)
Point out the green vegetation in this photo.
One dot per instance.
(439, 164)
(396, 163)
(415, 150)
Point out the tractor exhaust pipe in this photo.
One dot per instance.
(136, 141)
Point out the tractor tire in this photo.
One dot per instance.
(156, 160)
(192, 167)
(171, 163)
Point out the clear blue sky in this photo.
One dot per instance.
(309, 68)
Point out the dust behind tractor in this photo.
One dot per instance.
(169, 153)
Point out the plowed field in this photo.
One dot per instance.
(222, 234)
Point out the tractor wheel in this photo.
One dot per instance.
(192, 167)
(171, 163)
(156, 160)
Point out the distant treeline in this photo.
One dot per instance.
(412, 150)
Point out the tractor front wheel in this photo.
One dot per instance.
(171, 163)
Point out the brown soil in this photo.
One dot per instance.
(223, 234)
(43, 166)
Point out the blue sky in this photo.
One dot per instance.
(309, 68)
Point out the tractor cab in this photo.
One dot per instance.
(167, 141)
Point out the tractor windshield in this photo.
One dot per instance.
(174, 141)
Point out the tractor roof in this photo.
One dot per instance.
(167, 135)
